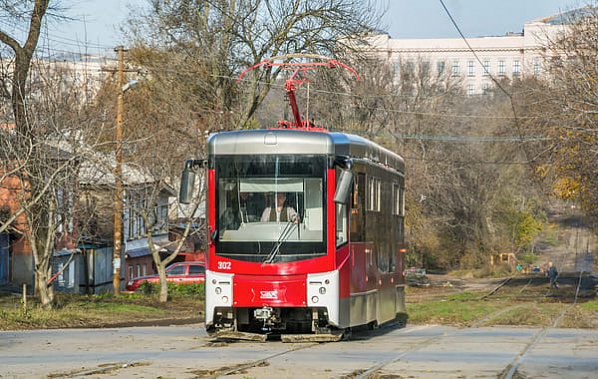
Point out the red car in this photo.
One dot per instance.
(182, 272)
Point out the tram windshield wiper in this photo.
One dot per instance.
(284, 235)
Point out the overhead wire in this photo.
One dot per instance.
(164, 68)
(57, 40)
(520, 138)
(509, 95)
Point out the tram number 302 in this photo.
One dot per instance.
(224, 265)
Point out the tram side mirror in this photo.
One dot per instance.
(188, 180)
(343, 189)
(187, 184)
(213, 235)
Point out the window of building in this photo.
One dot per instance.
(144, 272)
(470, 68)
(537, 66)
(425, 68)
(486, 68)
(162, 212)
(410, 67)
(455, 68)
(136, 204)
(440, 67)
(131, 272)
(470, 90)
(138, 270)
(517, 67)
(502, 68)
(486, 88)
(396, 69)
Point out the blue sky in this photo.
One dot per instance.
(96, 21)
(428, 19)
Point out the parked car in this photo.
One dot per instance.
(182, 272)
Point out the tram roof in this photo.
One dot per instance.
(289, 141)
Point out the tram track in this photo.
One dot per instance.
(511, 369)
(259, 362)
(265, 362)
(377, 368)
(372, 370)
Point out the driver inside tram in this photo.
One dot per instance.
(282, 212)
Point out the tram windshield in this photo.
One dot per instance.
(269, 208)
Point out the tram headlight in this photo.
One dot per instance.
(225, 299)
(322, 291)
(218, 290)
(314, 299)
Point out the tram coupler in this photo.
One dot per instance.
(264, 313)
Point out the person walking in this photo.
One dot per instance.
(552, 275)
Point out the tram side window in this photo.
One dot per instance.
(342, 219)
(342, 235)
(398, 194)
(402, 202)
(357, 208)
(374, 194)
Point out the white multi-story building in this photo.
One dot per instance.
(511, 56)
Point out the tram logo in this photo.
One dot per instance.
(270, 295)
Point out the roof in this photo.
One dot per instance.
(141, 252)
(571, 17)
(98, 167)
(292, 141)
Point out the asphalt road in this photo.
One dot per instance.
(414, 351)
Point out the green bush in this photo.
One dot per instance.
(529, 258)
(148, 288)
(186, 290)
(192, 290)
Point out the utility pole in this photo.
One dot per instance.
(118, 184)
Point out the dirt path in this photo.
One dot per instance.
(568, 242)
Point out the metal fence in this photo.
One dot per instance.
(88, 271)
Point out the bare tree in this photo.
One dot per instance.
(205, 45)
(193, 53)
(161, 131)
(455, 179)
(41, 167)
(564, 110)
(33, 13)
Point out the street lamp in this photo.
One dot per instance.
(130, 85)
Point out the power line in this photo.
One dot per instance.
(443, 138)
(454, 138)
(57, 39)
(510, 96)
(164, 68)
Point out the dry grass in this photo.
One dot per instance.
(76, 311)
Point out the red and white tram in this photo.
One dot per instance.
(305, 232)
